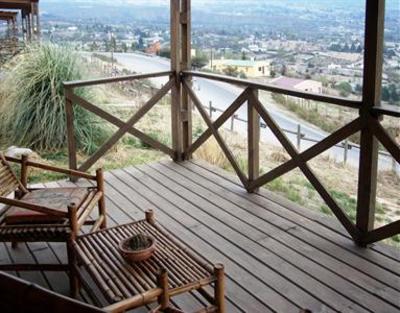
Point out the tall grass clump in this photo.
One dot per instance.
(32, 112)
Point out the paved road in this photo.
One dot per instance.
(221, 95)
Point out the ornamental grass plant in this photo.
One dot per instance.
(32, 112)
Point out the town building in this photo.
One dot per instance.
(306, 85)
(250, 68)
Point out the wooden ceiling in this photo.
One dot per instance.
(25, 5)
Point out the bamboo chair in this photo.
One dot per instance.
(36, 299)
(46, 214)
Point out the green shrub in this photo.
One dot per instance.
(32, 112)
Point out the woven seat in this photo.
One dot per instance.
(47, 214)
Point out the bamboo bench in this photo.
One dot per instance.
(171, 271)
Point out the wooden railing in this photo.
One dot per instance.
(128, 127)
(368, 123)
(257, 112)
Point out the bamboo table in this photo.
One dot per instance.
(171, 271)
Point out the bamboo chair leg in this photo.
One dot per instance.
(72, 262)
(163, 300)
(219, 292)
(73, 277)
(102, 202)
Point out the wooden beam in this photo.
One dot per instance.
(126, 127)
(176, 91)
(71, 141)
(220, 121)
(310, 153)
(186, 47)
(272, 88)
(382, 233)
(391, 146)
(111, 80)
(216, 134)
(310, 175)
(373, 58)
(253, 139)
(119, 123)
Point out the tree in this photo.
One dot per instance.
(199, 62)
(165, 53)
(283, 70)
(244, 56)
(106, 46)
(231, 71)
(345, 89)
(242, 75)
(94, 46)
(141, 43)
(394, 95)
(124, 47)
(113, 43)
(385, 94)
(133, 46)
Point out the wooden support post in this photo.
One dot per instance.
(24, 170)
(374, 34)
(35, 19)
(219, 291)
(102, 201)
(29, 26)
(69, 113)
(186, 47)
(176, 91)
(8, 29)
(23, 25)
(253, 139)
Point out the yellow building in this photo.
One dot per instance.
(250, 68)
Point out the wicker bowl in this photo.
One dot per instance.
(137, 248)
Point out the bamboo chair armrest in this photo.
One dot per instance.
(32, 207)
(52, 168)
(65, 171)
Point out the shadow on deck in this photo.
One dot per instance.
(279, 257)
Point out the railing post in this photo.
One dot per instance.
(186, 47)
(253, 137)
(176, 91)
(394, 166)
(69, 113)
(210, 107)
(373, 55)
(346, 150)
(299, 137)
(234, 116)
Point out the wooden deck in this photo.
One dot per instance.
(279, 257)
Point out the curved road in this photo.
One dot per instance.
(222, 95)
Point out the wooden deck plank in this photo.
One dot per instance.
(279, 257)
(255, 215)
(362, 293)
(330, 223)
(373, 263)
